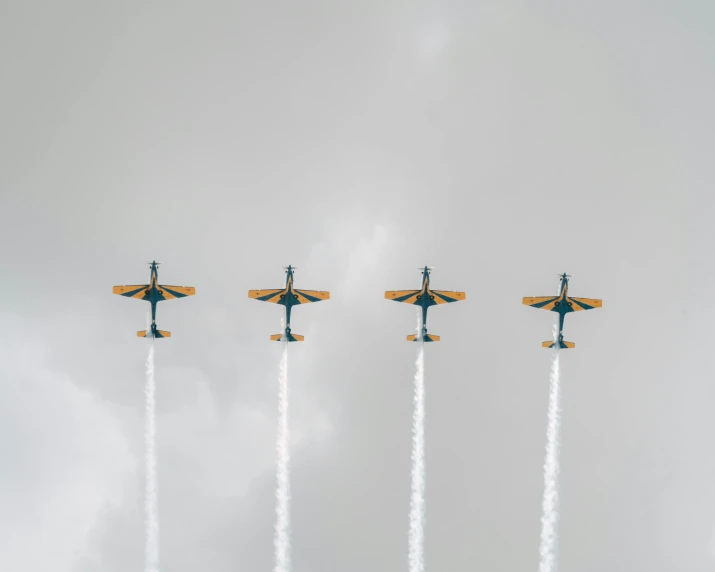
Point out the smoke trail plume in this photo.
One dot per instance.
(550, 504)
(417, 501)
(151, 550)
(282, 530)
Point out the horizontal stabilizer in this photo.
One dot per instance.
(562, 344)
(427, 338)
(148, 334)
(290, 337)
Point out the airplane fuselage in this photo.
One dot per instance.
(152, 293)
(562, 305)
(425, 298)
(288, 298)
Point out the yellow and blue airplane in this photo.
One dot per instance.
(424, 297)
(563, 304)
(154, 293)
(288, 297)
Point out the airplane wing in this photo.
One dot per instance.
(307, 296)
(272, 296)
(137, 291)
(171, 292)
(405, 296)
(444, 297)
(540, 302)
(584, 304)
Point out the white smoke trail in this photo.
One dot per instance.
(417, 501)
(151, 550)
(550, 503)
(282, 529)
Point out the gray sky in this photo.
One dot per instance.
(500, 142)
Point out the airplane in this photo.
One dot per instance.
(154, 293)
(563, 304)
(424, 297)
(288, 297)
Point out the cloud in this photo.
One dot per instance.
(229, 141)
(65, 459)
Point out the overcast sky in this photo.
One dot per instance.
(501, 142)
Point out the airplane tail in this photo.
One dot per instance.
(562, 344)
(426, 338)
(158, 334)
(287, 336)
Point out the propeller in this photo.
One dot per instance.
(157, 263)
(567, 275)
(429, 268)
(290, 268)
